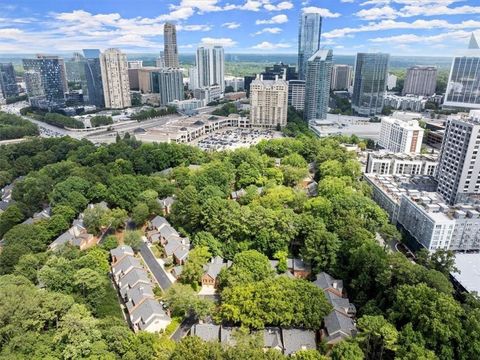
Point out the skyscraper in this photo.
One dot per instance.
(168, 83)
(463, 89)
(370, 83)
(211, 66)
(8, 82)
(93, 75)
(116, 87)
(170, 45)
(309, 34)
(160, 60)
(420, 80)
(458, 172)
(193, 78)
(268, 102)
(53, 83)
(317, 89)
(400, 133)
(341, 77)
(296, 94)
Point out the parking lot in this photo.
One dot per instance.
(235, 138)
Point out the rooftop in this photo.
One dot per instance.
(469, 271)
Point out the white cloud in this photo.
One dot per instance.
(225, 42)
(323, 12)
(269, 30)
(377, 13)
(231, 25)
(194, 27)
(270, 46)
(284, 5)
(277, 19)
(428, 39)
(397, 25)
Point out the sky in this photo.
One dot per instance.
(398, 27)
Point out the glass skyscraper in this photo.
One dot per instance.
(309, 34)
(93, 76)
(8, 83)
(51, 71)
(317, 88)
(371, 71)
(463, 89)
(168, 83)
(211, 66)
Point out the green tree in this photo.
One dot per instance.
(205, 239)
(193, 269)
(133, 239)
(377, 337)
(321, 247)
(10, 217)
(90, 284)
(183, 301)
(140, 213)
(347, 350)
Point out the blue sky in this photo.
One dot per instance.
(400, 27)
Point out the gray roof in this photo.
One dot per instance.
(168, 231)
(338, 322)
(159, 221)
(4, 205)
(146, 310)
(166, 171)
(177, 271)
(181, 252)
(238, 194)
(214, 266)
(298, 339)
(44, 214)
(166, 202)
(133, 277)
(63, 239)
(126, 264)
(325, 281)
(340, 304)
(226, 335)
(171, 246)
(468, 266)
(206, 332)
(136, 295)
(120, 251)
(28, 221)
(272, 338)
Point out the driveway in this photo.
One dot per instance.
(157, 271)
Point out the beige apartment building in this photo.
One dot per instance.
(116, 87)
(268, 102)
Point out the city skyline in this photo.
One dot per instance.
(402, 27)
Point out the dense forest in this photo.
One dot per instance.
(60, 305)
(14, 127)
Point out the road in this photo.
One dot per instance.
(157, 271)
(183, 329)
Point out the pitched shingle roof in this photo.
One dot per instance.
(126, 264)
(325, 281)
(298, 339)
(121, 251)
(206, 332)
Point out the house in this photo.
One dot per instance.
(180, 254)
(312, 188)
(153, 236)
(177, 271)
(123, 267)
(340, 304)
(177, 248)
(325, 282)
(337, 327)
(166, 204)
(295, 340)
(272, 339)
(7, 193)
(227, 336)
(4, 205)
(235, 195)
(77, 236)
(158, 222)
(165, 172)
(149, 316)
(137, 294)
(45, 214)
(299, 268)
(206, 332)
(211, 271)
(167, 233)
(131, 279)
(119, 252)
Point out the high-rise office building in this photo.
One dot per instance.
(463, 89)
(391, 81)
(296, 94)
(371, 70)
(270, 73)
(168, 83)
(33, 84)
(170, 45)
(420, 80)
(211, 66)
(341, 77)
(93, 75)
(317, 88)
(8, 82)
(193, 78)
(309, 34)
(268, 102)
(458, 173)
(116, 87)
(160, 60)
(401, 133)
(53, 82)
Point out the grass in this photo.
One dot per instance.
(108, 306)
(176, 321)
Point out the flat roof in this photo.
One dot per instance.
(469, 268)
